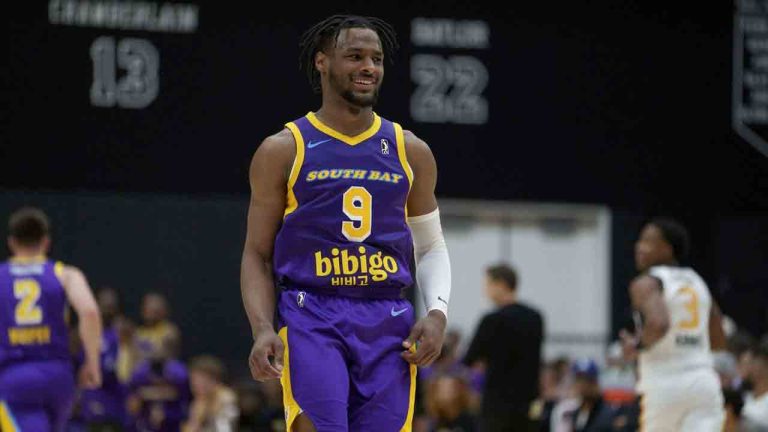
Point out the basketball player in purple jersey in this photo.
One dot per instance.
(342, 201)
(37, 385)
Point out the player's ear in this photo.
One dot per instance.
(321, 62)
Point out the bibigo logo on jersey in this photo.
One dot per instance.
(355, 268)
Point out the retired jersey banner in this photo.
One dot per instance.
(750, 72)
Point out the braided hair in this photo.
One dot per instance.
(325, 34)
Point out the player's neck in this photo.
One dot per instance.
(670, 263)
(508, 298)
(25, 254)
(344, 117)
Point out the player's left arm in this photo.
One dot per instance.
(717, 338)
(80, 296)
(433, 267)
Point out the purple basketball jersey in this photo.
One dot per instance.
(345, 222)
(37, 382)
(32, 311)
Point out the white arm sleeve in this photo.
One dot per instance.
(433, 267)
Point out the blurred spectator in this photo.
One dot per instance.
(159, 391)
(103, 409)
(128, 350)
(727, 369)
(549, 395)
(740, 345)
(155, 327)
(261, 408)
(449, 363)
(255, 414)
(549, 381)
(617, 380)
(593, 413)
(560, 419)
(109, 305)
(734, 403)
(755, 411)
(447, 403)
(508, 346)
(562, 367)
(214, 408)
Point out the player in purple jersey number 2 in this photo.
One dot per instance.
(37, 385)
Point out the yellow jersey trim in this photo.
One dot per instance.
(408, 425)
(357, 139)
(292, 408)
(291, 204)
(400, 138)
(7, 422)
(58, 270)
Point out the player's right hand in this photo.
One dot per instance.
(266, 345)
(89, 376)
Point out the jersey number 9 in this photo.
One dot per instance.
(358, 206)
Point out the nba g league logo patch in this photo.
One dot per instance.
(301, 298)
(384, 147)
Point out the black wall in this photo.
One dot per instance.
(625, 104)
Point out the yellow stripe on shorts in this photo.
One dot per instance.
(292, 408)
(7, 422)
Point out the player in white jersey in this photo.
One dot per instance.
(679, 324)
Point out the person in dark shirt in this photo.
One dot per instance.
(595, 414)
(507, 345)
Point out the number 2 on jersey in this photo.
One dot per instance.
(692, 307)
(28, 293)
(358, 206)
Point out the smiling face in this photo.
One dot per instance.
(354, 67)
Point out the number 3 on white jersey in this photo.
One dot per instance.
(691, 306)
(358, 206)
